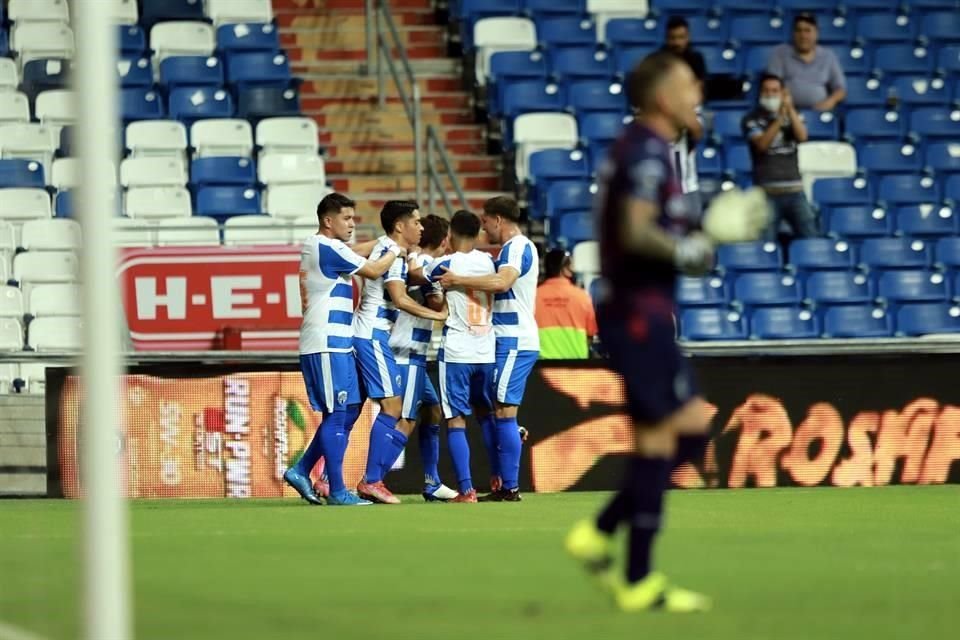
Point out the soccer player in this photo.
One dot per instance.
(382, 298)
(514, 286)
(468, 350)
(410, 341)
(326, 343)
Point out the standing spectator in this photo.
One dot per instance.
(678, 43)
(774, 128)
(564, 311)
(810, 72)
(683, 159)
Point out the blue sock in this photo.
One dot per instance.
(429, 438)
(460, 452)
(350, 417)
(314, 450)
(378, 440)
(508, 437)
(489, 425)
(394, 445)
(335, 447)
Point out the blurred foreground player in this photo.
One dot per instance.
(646, 236)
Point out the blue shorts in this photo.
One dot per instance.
(464, 386)
(414, 379)
(331, 380)
(510, 376)
(378, 367)
(430, 396)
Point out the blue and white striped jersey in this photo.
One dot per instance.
(411, 334)
(514, 311)
(326, 293)
(376, 310)
(468, 336)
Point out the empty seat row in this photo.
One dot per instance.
(58, 333)
(230, 38)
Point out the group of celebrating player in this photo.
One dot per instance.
(422, 270)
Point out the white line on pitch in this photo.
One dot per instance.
(10, 632)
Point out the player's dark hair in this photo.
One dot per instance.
(435, 229)
(807, 18)
(769, 76)
(645, 78)
(394, 211)
(503, 206)
(334, 203)
(465, 224)
(677, 22)
(554, 262)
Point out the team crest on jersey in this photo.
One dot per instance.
(342, 397)
(399, 379)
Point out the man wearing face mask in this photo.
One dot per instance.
(564, 312)
(812, 73)
(774, 129)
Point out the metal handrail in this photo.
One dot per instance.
(435, 145)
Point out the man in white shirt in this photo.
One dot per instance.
(683, 159)
(514, 286)
(468, 350)
(326, 342)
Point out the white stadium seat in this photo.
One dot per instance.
(825, 160)
(302, 227)
(133, 233)
(38, 40)
(9, 372)
(288, 135)
(65, 173)
(46, 266)
(5, 267)
(14, 107)
(537, 131)
(234, 11)
(291, 168)
(151, 203)
(29, 141)
(38, 11)
(24, 204)
(58, 333)
(605, 10)
(586, 258)
(54, 300)
(11, 335)
(294, 200)
(491, 35)
(153, 172)
(181, 38)
(221, 137)
(247, 230)
(51, 234)
(9, 76)
(8, 241)
(180, 232)
(124, 11)
(11, 302)
(56, 107)
(158, 138)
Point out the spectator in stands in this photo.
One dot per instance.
(810, 72)
(678, 43)
(564, 311)
(773, 129)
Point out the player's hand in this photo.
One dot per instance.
(448, 279)
(403, 253)
(694, 254)
(737, 216)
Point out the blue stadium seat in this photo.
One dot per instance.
(903, 59)
(736, 159)
(722, 60)
(566, 196)
(889, 157)
(65, 147)
(191, 71)
(942, 26)
(552, 165)
(943, 157)
(258, 69)
(575, 227)
(626, 58)
(918, 90)
(895, 253)
(857, 321)
(951, 189)
(743, 6)
(132, 41)
(63, 204)
(875, 124)
(43, 75)
(888, 26)
(223, 171)
(635, 31)
(858, 221)
(936, 122)
(235, 38)
(784, 323)
(757, 58)
(758, 29)
(927, 220)
(507, 67)
(765, 288)
(581, 62)
(861, 6)
(4, 43)
(822, 125)
(600, 129)
(191, 104)
(712, 324)
(566, 31)
(932, 4)
(553, 7)
(855, 59)
(829, 288)
(927, 318)
(865, 92)
(140, 103)
(473, 10)
(813, 254)
(224, 202)
(726, 123)
(842, 191)
(708, 291)
(948, 60)
(750, 256)
(16, 172)
(135, 73)
(799, 6)
(255, 103)
(948, 253)
(907, 189)
(709, 161)
(154, 11)
(914, 285)
(708, 30)
(597, 95)
(532, 95)
(835, 30)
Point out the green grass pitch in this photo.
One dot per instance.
(781, 564)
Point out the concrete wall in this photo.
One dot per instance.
(23, 445)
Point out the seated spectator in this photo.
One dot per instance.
(811, 73)
(678, 43)
(564, 311)
(773, 129)
(683, 159)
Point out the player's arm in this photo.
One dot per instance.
(402, 300)
(496, 283)
(434, 300)
(364, 249)
(372, 269)
(415, 272)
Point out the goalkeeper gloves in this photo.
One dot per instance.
(737, 216)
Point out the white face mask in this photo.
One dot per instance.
(771, 103)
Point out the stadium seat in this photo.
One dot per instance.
(153, 172)
(722, 60)
(737, 159)
(951, 190)
(221, 137)
(539, 8)
(166, 138)
(191, 71)
(863, 91)
(258, 68)
(566, 31)
(895, 253)
(9, 371)
(181, 232)
(839, 288)
(20, 204)
(855, 61)
(586, 261)
(38, 11)
(857, 321)
(858, 221)
(124, 11)
(234, 11)
(914, 285)
(153, 11)
(708, 291)
(304, 226)
(291, 168)
(758, 29)
(727, 123)
(136, 72)
(11, 334)
(14, 107)
(874, 124)
(65, 146)
(507, 67)
(813, 254)
(908, 189)
(821, 125)
(918, 90)
(56, 108)
(50, 234)
(46, 266)
(65, 173)
(755, 62)
(290, 201)
(750, 256)
(948, 60)
(21, 173)
(63, 204)
(889, 157)
(603, 11)
(532, 96)
(196, 103)
(223, 202)
(132, 40)
(235, 38)
(565, 196)
(626, 58)
(737, 7)
(943, 157)
(11, 302)
(256, 103)
(4, 42)
(936, 123)
(784, 323)
(182, 38)
(888, 26)
(37, 40)
(140, 103)
(708, 30)
(601, 129)
(54, 300)
(8, 242)
(823, 159)
(903, 59)
(151, 203)
(842, 191)
(58, 333)
(551, 165)
(288, 135)
(765, 288)
(709, 161)
(535, 131)
(28, 142)
(500, 34)
(928, 318)
(712, 324)
(573, 228)
(224, 170)
(927, 220)
(255, 229)
(9, 76)
(473, 10)
(634, 31)
(941, 26)
(134, 233)
(835, 31)
(581, 62)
